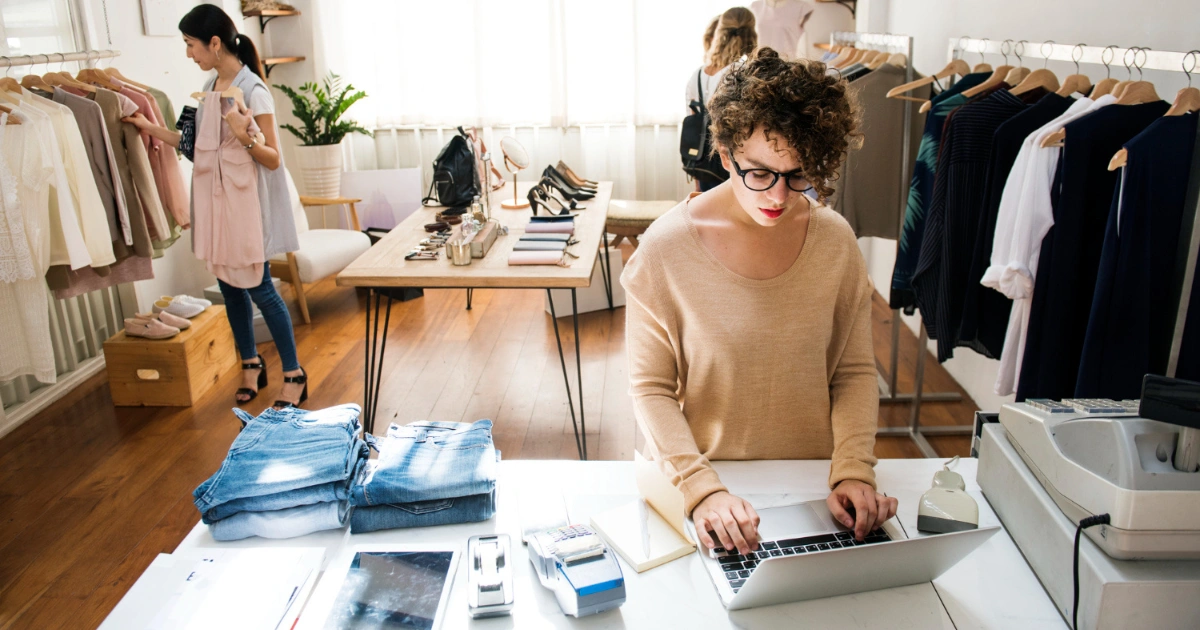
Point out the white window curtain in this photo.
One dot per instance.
(553, 63)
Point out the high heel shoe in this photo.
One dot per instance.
(564, 205)
(251, 394)
(566, 190)
(539, 198)
(566, 170)
(558, 176)
(299, 380)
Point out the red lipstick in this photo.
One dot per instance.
(772, 213)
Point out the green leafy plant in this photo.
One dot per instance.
(320, 107)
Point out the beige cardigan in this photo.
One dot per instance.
(726, 367)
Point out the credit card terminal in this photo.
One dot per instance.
(579, 568)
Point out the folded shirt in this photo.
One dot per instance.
(425, 461)
(551, 227)
(470, 509)
(286, 523)
(539, 246)
(304, 453)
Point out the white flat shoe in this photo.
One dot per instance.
(187, 298)
(178, 308)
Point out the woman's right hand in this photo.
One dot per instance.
(732, 519)
(139, 121)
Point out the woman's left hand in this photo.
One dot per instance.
(870, 508)
(239, 123)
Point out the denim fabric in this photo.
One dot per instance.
(424, 461)
(479, 507)
(285, 451)
(286, 523)
(274, 312)
(320, 493)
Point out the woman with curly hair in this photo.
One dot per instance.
(748, 314)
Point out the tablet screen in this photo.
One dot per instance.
(386, 589)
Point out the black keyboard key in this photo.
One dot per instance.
(743, 574)
(732, 575)
(769, 546)
(811, 548)
(737, 583)
(807, 540)
(731, 566)
(763, 555)
(735, 591)
(799, 550)
(844, 535)
(789, 552)
(879, 532)
(719, 550)
(750, 564)
(775, 553)
(823, 546)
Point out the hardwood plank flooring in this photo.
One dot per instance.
(90, 494)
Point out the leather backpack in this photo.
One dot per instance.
(695, 143)
(455, 183)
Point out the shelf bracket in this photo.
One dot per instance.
(849, 4)
(263, 20)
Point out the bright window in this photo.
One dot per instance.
(35, 27)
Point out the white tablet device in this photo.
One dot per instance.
(384, 587)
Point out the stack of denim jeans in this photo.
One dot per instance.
(289, 473)
(427, 473)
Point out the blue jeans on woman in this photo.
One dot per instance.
(274, 311)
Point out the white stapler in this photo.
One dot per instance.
(489, 580)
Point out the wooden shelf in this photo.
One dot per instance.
(849, 4)
(266, 15)
(271, 62)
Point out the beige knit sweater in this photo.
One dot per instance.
(723, 367)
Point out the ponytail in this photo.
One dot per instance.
(736, 36)
(247, 53)
(206, 21)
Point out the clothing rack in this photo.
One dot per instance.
(888, 394)
(47, 58)
(1187, 449)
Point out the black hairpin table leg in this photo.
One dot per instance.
(470, 294)
(606, 272)
(579, 427)
(373, 361)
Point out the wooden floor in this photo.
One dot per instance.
(89, 494)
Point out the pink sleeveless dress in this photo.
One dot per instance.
(227, 230)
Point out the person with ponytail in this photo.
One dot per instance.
(214, 44)
(733, 37)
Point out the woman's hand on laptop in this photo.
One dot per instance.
(732, 519)
(857, 505)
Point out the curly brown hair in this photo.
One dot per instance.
(793, 100)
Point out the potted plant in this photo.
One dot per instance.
(319, 109)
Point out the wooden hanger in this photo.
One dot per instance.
(997, 78)
(117, 73)
(843, 55)
(65, 79)
(1138, 92)
(96, 76)
(1040, 78)
(898, 59)
(1074, 83)
(31, 81)
(234, 92)
(981, 67)
(1186, 101)
(957, 66)
(1102, 87)
(9, 84)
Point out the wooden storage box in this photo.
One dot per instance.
(173, 372)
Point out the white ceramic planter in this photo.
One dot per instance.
(320, 169)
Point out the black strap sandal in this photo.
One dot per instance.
(299, 380)
(262, 381)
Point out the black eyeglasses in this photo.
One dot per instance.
(760, 179)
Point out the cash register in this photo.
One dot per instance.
(1103, 499)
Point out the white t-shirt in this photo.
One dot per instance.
(709, 83)
(1024, 218)
(780, 26)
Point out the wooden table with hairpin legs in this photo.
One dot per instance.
(383, 268)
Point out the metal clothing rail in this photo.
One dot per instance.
(888, 394)
(1187, 448)
(1133, 58)
(82, 55)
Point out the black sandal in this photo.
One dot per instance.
(299, 380)
(262, 381)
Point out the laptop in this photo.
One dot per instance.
(805, 554)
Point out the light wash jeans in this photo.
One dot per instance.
(286, 523)
(427, 473)
(283, 459)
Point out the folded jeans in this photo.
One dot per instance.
(320, 493)
(425, 461)
(285, 523)
(469, 509)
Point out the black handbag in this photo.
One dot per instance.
(695, 143)
(455, 183)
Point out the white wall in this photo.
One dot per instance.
(1156, 24)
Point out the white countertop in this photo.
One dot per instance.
(991, 588)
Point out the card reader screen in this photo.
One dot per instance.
(387, 590)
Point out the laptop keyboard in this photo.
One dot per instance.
(738, 568)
